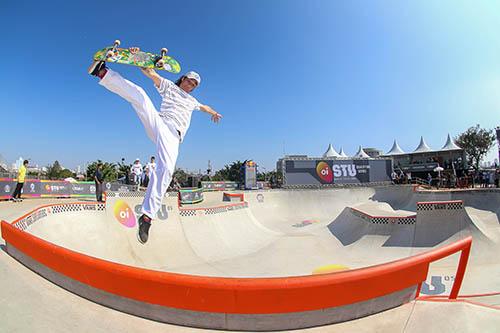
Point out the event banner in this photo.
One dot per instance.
(191, 195)
(250, 175)
(58, 188)
(219, 186)
(328, 172)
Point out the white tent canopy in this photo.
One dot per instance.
(450, 144)
(330, 152)
(422, 147)
(342, 153)
(361, 153)
(396, 149)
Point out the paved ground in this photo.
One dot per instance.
(281, 233)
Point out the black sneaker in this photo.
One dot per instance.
(96, 68)
(143, 230)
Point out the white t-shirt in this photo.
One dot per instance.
(177, 106)
(136, 168)
(151, 166)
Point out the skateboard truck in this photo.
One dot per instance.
(160, 63)
(111, 52)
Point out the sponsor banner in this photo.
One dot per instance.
(126, 212)
(50, 188)
(82, 189)
(191, 195)
(419, 167)
(45, 188)
(118, 187)
(250, 176)
(219, 186)
(328, 172)
(30, 188)
(7, 188)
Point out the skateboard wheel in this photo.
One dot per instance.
(164, 51)
(109, 54)
(160, 63)
(117, 42)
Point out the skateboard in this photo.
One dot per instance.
(140, 59)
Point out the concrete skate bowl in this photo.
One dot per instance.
(252, 265)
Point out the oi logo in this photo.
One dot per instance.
(124, 214)
(324, 172)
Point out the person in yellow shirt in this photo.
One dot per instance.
(21, 175)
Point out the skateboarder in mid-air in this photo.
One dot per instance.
(165, 128)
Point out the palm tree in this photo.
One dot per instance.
(109, 170)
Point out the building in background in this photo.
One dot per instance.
(333, 169)
(373, 152)
(424, 160)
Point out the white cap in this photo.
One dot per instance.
(137, 159)
(194, 76)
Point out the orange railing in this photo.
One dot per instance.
(237, 295)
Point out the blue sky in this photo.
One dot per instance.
(288, 76)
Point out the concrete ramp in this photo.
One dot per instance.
(442, 221)
(253, 264)
(435, 222)
(353, 224)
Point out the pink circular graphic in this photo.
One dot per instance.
(124, 214)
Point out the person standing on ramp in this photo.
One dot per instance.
(165, 128)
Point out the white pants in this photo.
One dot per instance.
(137, 179)
(164, 136)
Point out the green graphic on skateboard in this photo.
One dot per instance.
(138, 58)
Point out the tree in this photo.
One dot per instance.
(476, 142)
(66, 173)
(180, 176)
(233, 172)
(275, 178)
(54, 171)
(261, 176)
(124, 170)
(109, 170)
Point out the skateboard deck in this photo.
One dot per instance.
(140, 58)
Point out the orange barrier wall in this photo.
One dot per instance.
(226, 196)
(237, 295)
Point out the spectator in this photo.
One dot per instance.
(394, 177)
(486, 179)
(145, 177)
(21, 175)
(429, 179)
(136, 171)
(99, 179)
(176, 184)
(151, 165)
(453, 180)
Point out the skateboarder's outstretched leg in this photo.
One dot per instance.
(136, 96)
